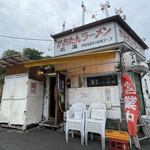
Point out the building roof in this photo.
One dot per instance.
(115, 18)
(12, 61)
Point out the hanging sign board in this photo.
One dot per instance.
(131, 105)
(128, 61)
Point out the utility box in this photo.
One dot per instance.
(21, 101)
(22, 97)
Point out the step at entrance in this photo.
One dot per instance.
(51, 123)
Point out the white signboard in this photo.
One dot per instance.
(88, 95)
(86, 39)
(122, 35)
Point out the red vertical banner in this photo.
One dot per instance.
(131, 105)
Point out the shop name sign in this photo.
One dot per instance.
(86, 39)
(94, 37)
(122, 35)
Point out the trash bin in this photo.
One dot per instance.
(146, 120)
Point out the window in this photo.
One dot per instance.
(102, 81)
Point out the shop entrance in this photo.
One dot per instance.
(52, 97)
(56, 102)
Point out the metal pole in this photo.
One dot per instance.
(63, 29)
(104, 7)
(83, 12)
(106, 10)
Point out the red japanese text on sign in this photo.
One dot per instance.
(130, 41)
(103, 31)
(131, 105)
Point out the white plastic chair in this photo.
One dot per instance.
(75, 119)
(95, 121)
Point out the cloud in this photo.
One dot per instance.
(40, 18)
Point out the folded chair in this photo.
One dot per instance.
(95, 121)
(75, 119)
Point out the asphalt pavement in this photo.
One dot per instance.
(47, 139)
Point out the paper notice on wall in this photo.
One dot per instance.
(33, 88)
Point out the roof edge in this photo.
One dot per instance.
(116, 18)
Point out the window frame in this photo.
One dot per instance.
(99, 80)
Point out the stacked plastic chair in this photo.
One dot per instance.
(95, 121)
(75, 120)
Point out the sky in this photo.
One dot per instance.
(38, 19)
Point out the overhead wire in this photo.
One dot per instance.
(90, 11)
(23, 38)
(30, 39)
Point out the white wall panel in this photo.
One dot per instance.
(89, 95)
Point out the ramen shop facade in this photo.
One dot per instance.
(87, 68)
